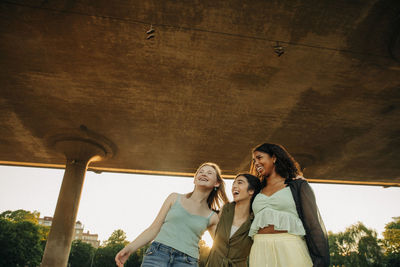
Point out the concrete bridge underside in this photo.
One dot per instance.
(161, 86)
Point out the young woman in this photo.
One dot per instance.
(180, 223)
(232, 243)
(287, 229)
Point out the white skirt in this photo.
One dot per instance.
(279, 250)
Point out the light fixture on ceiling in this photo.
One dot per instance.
(279, 49)
(150, 32)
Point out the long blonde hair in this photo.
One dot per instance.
(217, 198)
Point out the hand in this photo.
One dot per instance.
(300, 177)
(122, 257)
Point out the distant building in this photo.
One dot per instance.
(91, 239)
(78, 232)
(46, 221)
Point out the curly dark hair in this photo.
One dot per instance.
(285, 165)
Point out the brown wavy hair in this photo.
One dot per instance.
(217, 198)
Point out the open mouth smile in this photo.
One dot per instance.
(204, 179)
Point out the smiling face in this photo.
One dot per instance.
(240, 189)
(206, 176)
(263, 163)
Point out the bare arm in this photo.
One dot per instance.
(147, 235)
(213, 224)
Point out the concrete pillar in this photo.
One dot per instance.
(80, 148)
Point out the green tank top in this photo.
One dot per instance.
(182, 230)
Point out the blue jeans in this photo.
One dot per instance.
(160, 255)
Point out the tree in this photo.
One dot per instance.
(117, 237)
(337, 258)
(27, 216)
(391, 242)
(43, 233)
(135, 260)
(105, 256)
(357, 246)
(81, 254)
(19, 243)
(21, 215)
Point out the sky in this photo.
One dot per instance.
(130, 202)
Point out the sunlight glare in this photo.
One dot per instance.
(207, 238)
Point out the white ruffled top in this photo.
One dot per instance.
(279, 210)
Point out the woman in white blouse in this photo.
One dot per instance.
(287, 228)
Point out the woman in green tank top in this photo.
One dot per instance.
(181, 221)
(232, 243)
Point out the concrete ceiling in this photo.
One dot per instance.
(208, 86)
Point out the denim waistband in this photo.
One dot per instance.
(168, 249)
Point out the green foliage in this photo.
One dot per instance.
(135, 260)
(21, 215)
(392, 236)
(19, 243)
(357, 246)
(81, 254)
(117, 237)
(22, 243)
(44, 233)
(391, 242)
(105, 256)
(394, 225)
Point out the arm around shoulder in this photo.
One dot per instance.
(214, 220)
(213, 224)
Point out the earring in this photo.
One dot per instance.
(216, 188)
